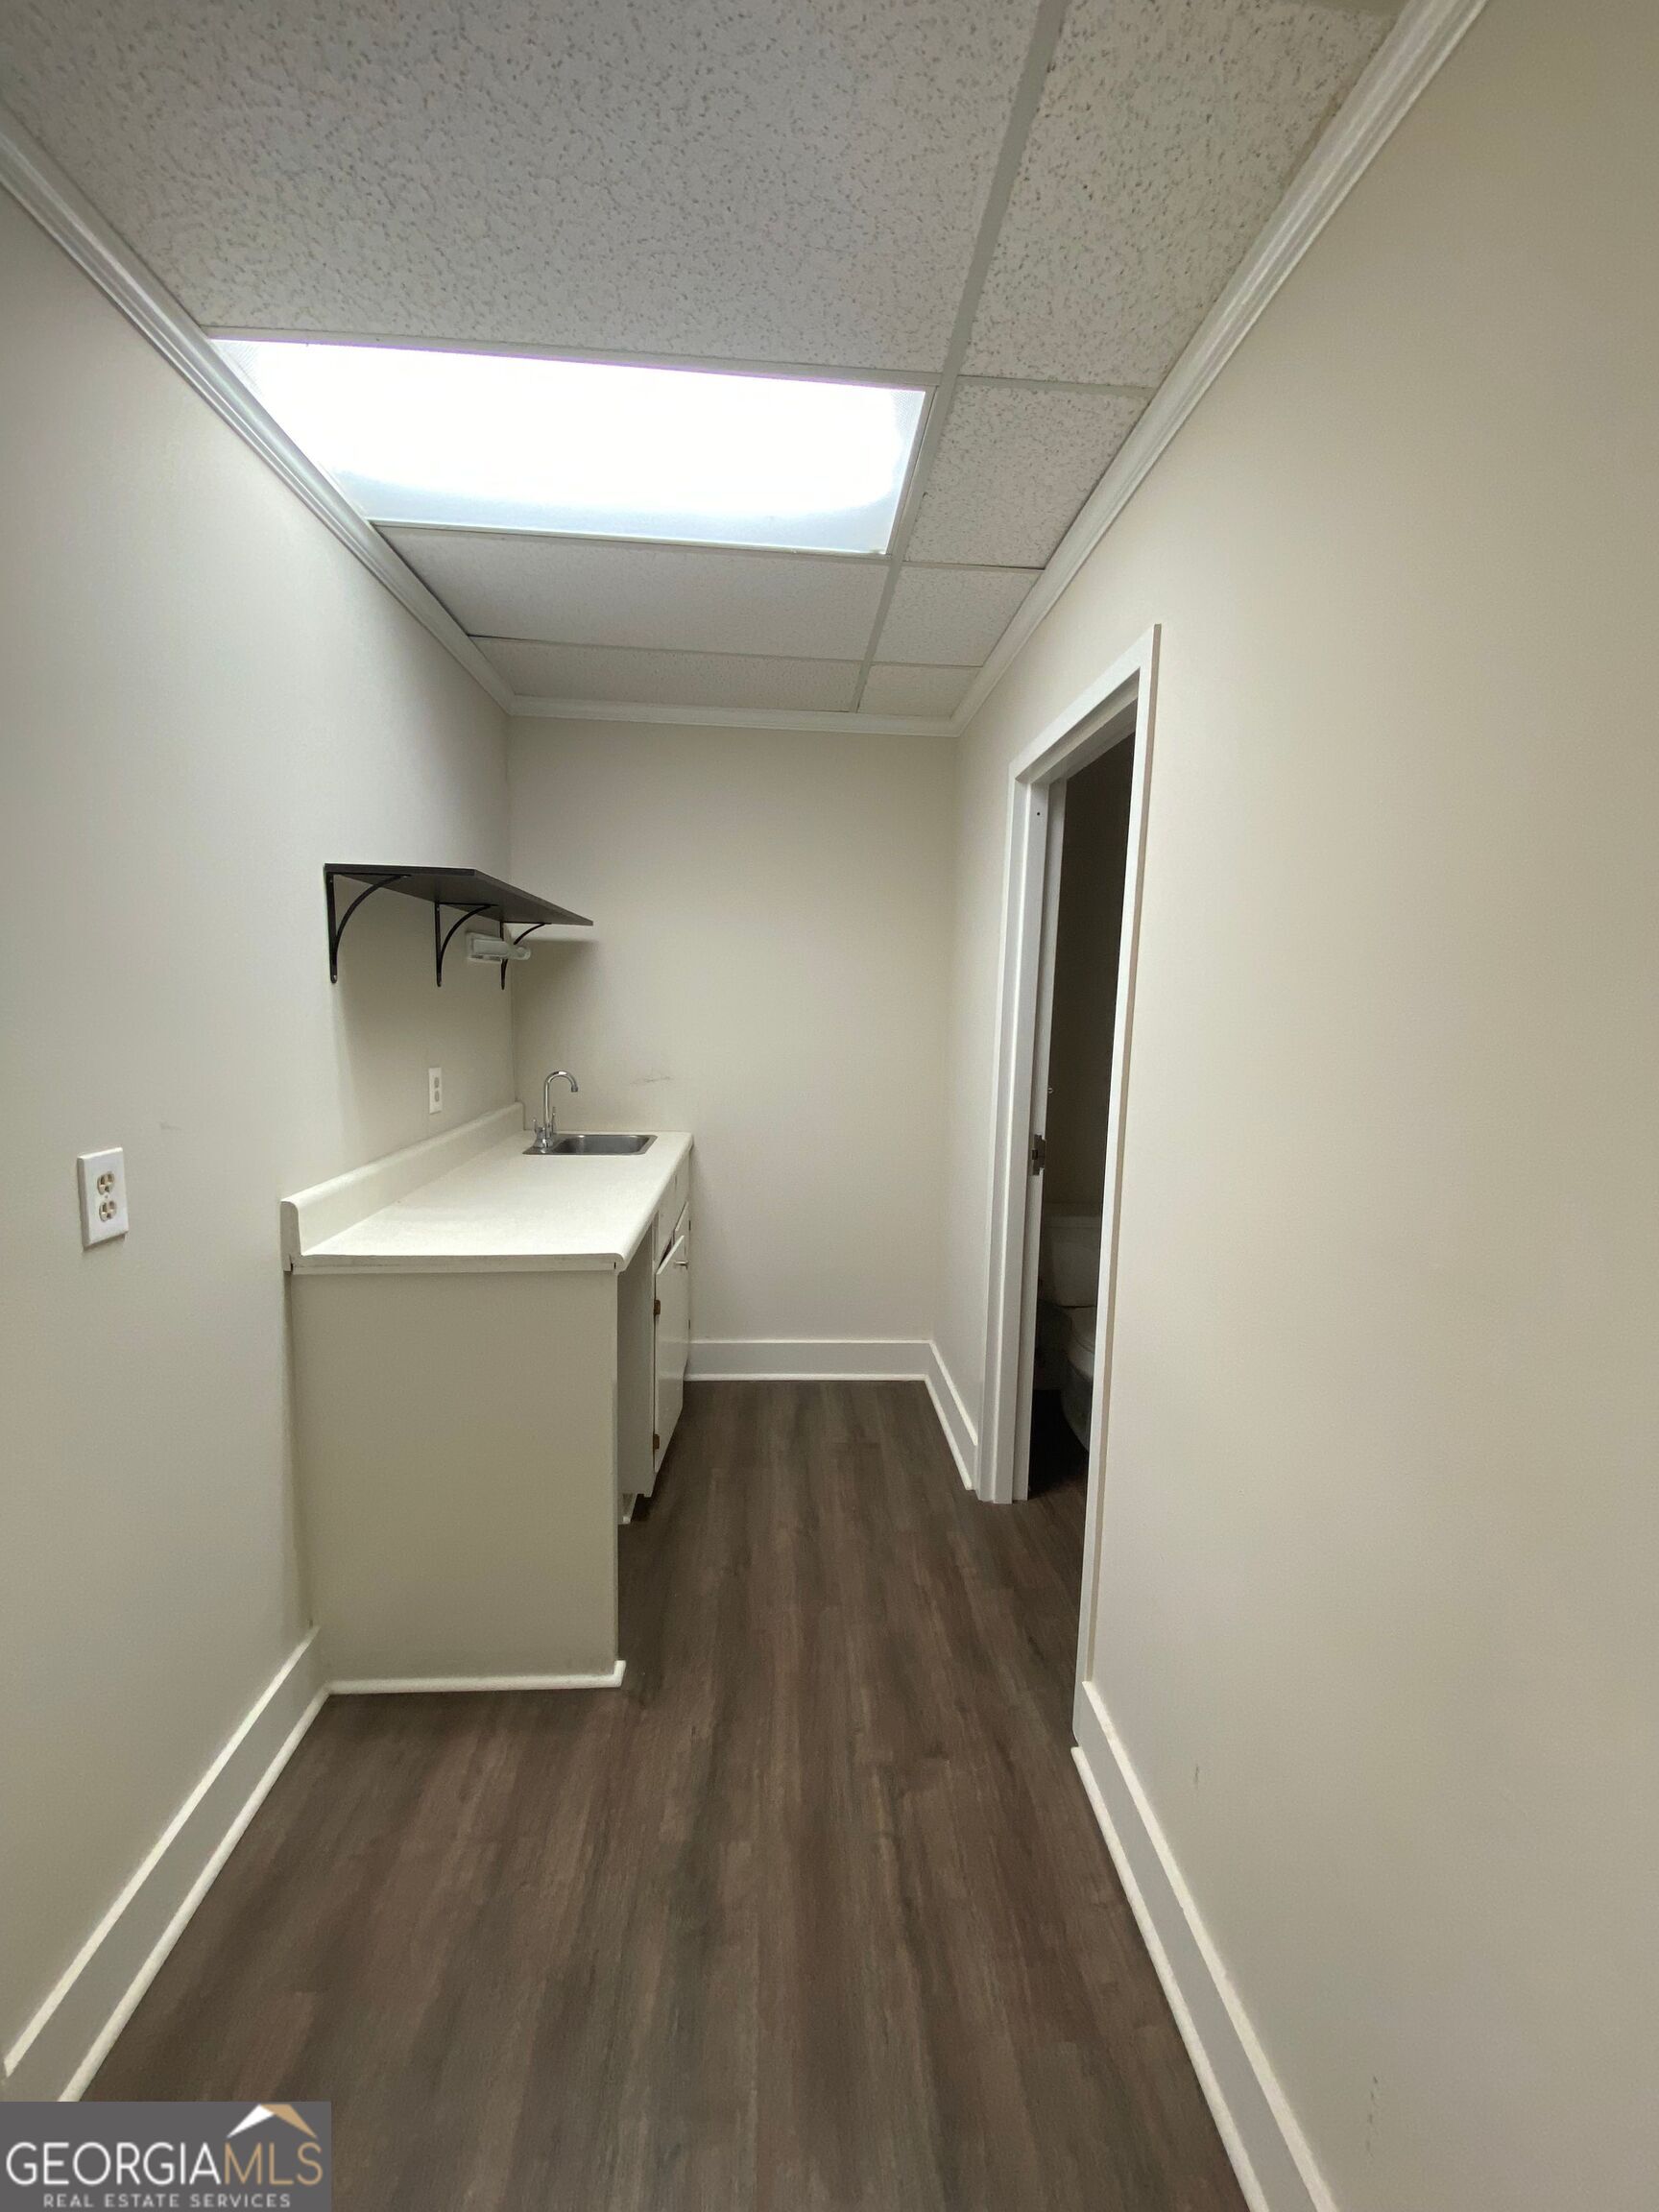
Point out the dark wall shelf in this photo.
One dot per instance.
(465, 889)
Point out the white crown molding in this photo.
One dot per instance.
(1424, 36)
(732, 717)
(67, 216)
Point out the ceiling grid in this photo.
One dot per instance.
(1038, 53)
(1026, 208)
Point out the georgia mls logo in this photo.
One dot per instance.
(309, 2154)
(164, 2158)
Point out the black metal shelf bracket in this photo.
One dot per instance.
(518, 940)
(337, 928)
(440, 941)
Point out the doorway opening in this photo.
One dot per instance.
(1089, 824)
(1076, 835)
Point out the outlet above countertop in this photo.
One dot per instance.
(476, 1202)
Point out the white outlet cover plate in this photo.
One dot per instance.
(102, 1178)
(434, 1090)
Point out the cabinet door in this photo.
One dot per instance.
(673, 1340)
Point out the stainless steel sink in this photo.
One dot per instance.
(589, 1142)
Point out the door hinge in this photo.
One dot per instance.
(656, 1441)
(656, 1307)
(1039, 1154)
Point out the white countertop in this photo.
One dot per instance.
(505, 1209)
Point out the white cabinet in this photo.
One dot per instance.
(673, 1337)
(483, 1379)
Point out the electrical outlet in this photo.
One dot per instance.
(434, 1090)
(103, 1183)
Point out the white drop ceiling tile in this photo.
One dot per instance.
(1166, 134)
(777, 179)
(1013, 468)
(615, 674)
(893, 689)
(576, 591)
(951, 616)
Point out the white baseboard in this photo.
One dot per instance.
(1270, 2155)
(428, 1684)
(68, 2038)
(960, 1432)
(845, 1360)
(65, 2044)
(807, 1359)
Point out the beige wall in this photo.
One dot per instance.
(202, 697)
(1377, 1613)
(768, 973)
(1095, 850)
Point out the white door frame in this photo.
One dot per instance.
(1118, 705)
(1049, 803)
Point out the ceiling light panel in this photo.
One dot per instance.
(589, 449)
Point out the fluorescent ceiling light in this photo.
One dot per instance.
(509, 442)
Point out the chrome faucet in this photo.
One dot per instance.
(546, 1129)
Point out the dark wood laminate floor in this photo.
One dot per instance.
(811, 1913)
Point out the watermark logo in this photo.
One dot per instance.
(164, 2158)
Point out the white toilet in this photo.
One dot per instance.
(1069, 1277)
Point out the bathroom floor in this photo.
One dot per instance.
(1058, 1462)
(811, 1913)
